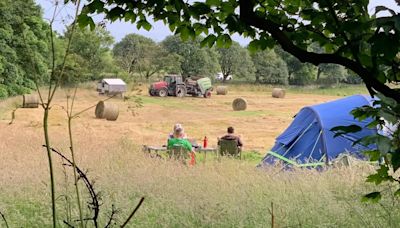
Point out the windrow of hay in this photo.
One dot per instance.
(108, 111)
(239, 104)
(222, 90)
(278, 93)
(30, 101)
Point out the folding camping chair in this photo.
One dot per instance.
(229, 147)
(178, 152)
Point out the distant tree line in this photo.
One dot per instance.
(26, 57)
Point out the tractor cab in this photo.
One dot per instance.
(173, 85)
(172, 81)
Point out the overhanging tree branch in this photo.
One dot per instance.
(249, 17)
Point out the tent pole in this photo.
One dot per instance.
(315, 144)
(298, 138)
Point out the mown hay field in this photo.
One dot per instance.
(226, 193)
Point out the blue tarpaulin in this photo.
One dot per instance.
(309, 139)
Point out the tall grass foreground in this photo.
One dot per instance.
(229, 193)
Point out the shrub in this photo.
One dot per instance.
(3, 92)
(14, 90)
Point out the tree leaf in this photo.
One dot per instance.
(373, 155)
(341, 130)
(130, 16)
(115, 13)
(209, 40)
(253, 46)
(83, 21)
(383, 143)
(213, 2)
(184, 32)
(373, 197)
(380, 175)
(96, 5)
(172, 27)
(220, 41)
(387, 100)
(395, 160)
(143, 23)
(397, 193)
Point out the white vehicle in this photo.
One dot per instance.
(219, 76)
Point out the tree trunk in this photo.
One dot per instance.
(224, 78)
(319, 71)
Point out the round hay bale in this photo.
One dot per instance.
(239, 104)
(278, 93)
(30, 101)
(109, 111)
(222, 90)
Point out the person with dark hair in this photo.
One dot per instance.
(231, 136)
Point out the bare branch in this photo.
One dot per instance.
(133, 212)
(4, 219)
(95, 203)
(78, 2)
(84, 110)
(112, 215)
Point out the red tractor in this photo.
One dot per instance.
(173, 85)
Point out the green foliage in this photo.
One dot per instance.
(23, 47)
(74, 70)
(331, 74)
(130, 50)
(306, 75)
(89, 54)
(298, 73)
(136, 53)
(346, 32)
(14, 90)
(340, 130)
(3, 91)
(194, 59)
(352, 78)
(372, 197)
(270, 68)
(385, 116)
(235, 60)
(293, 63)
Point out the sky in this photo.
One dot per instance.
(159, 31)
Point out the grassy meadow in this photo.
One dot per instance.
(225, 193)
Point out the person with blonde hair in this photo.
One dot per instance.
(177, 126)
(179, 140)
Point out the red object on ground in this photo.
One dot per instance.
(205, 142)
(192, 159)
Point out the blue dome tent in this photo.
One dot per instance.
(308, 140)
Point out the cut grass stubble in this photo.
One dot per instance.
(229, 193)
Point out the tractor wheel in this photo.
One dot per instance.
(151, 93)
(163, 92)
(180, 91)
(207, 94)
